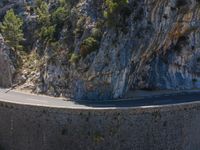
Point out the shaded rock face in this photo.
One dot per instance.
(154, 45)
(7, 66)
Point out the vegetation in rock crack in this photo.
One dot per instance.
(89, 45)
(113, 7)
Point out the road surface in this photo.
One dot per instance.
(148, 101)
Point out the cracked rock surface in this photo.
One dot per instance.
(155, 46)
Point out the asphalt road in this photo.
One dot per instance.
(148, 101)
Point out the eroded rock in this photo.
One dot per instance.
(155, 44)
(7, 66)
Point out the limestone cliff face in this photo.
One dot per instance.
(7, 66)
(154, 45)
(159, 49)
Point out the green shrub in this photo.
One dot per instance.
(11, 29)
(59, 15)
(44, 29)
(74, 58)
(89, 45)
(80, 27)
(58, 18)
(47, 32)
(113, 9)
(97, 33)
(50, 20)
(42, 10)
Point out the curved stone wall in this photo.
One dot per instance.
(175, 127)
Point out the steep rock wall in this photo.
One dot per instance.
(157, 47)
(7, 66)
(153, 45)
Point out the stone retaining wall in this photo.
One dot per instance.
(174, 127)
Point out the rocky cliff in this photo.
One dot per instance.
(7, 64)
(145, 44)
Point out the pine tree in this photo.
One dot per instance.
(11, 29)
(45, 30)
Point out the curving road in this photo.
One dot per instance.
(147, 101)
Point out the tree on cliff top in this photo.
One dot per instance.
(11, 29)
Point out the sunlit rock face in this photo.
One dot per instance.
(7, 66)
(158, 47)
(155, 44)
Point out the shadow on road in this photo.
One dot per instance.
(177, 98)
